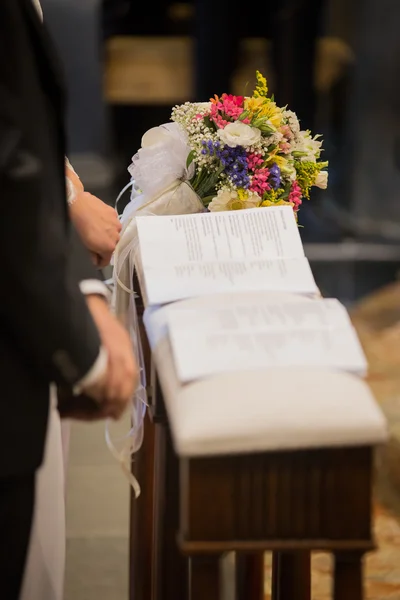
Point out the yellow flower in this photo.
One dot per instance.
(242, 194)
(277, 203)
(234, 200)
(261, 87)
(269, 110)
(307, 173)
(265, 109)
(253, 105)
(279, 160)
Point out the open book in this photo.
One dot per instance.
(262, 331)
(186, 256)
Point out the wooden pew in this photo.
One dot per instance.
(290, 503)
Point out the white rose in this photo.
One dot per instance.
(229, 200)
(322, 180)
(239, 134)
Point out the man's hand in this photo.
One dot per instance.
(97, 224)
(115, 390)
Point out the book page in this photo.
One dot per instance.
(301, 314)
(265, 233)
(187, 280)
(216, 352)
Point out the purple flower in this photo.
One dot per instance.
(275, 176)
(233, 161)
(235, 164)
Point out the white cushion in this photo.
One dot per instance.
(254, 411)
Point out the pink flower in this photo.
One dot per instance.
(254, 161)
(238, 100)
(287, 132)
(259, 182)
(284, 147)
(295, 196)
(217, 118)
(228, 106)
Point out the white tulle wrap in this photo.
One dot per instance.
(160, 186)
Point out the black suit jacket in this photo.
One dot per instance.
(46, 331)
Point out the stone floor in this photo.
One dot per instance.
(97, 519)
(377, 320)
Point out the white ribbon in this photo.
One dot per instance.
(159, 168)
(177, 198)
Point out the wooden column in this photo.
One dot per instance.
(291, 576)
(348, 580)
(204, 578)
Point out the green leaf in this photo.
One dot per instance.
(285, 194)
(265, 128)
(190, 158)
(206, 201)
(245, 114)
(210, 124)
(207, 185)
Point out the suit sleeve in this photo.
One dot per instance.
(42, 309)
(80, 263)
(41, 306)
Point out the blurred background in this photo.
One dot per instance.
(334, 62)
(337, 64)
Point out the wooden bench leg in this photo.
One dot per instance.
(250, 576)
(169, 569)
(291, 576)
(204, 578)
(348, 579)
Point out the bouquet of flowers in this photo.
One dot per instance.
(233, 152)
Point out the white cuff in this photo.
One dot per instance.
(71, 191)
(38, 8)
(99, 368)
(70, 167)
(96, 372)
(94, 287)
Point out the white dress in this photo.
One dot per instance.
(44, 572)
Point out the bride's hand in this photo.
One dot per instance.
(97, 224)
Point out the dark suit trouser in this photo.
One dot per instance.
(17, 496)
(292, 26)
